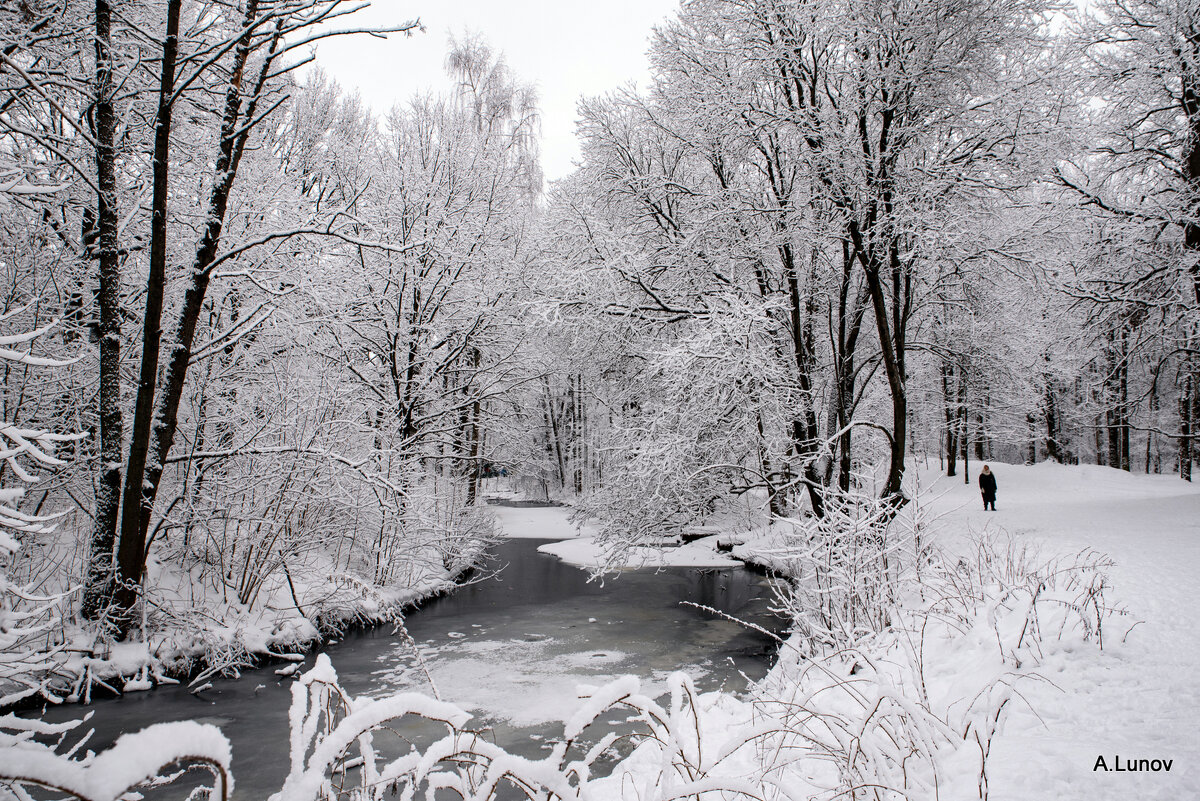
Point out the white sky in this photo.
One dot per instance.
(566, 49)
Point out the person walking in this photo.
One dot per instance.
(987, 487)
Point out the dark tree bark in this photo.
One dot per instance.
(964, 443)
(1123, 413)
(1032, 452)
(1186, 427)
(1190, 100)
(804, 432)
(232, 145)
(553, 434)
(1153, 407)
(850, 319)
(950, 409)
(892, 334)
(981, 439)
(131, 549)
(155, 422)
(578, 445)
(99, 583)
(1053, 432)
(471, 433)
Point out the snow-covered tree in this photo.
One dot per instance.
(1141, 180)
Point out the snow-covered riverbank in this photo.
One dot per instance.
(1067, 701)
(577, 546)
(192, 630)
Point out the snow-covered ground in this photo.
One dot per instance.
(1135, 699)
(584, 552)
(1140, 699)
(536, 522)
(577, 545)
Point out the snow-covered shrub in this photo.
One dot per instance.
(692, 748)
(697, 422)
(840, 571)
(1025, 598)
(333, 733)
(905, 703)
(855, 724)
(28, 658)
(341, 747)
(156, 755)
(436, 532)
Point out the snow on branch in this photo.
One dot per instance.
(36, 445)
(13, 181)
(133, 761)
(331, 731)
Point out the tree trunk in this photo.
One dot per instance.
(1050, 410)
(1186, 427)
(1123, 407)
(980, 438)
(554, 436)
(892, 345)
(965, 443)
(232, 144)
(131, 549)
(1112, 427)
(950, 410)
(98, 589)
(1031, 455)
(151, 445)
(850, 319)
(804, 426)
(473, 435)
(580, 440)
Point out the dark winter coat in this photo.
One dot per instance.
(987, 485)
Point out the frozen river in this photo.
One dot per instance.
(511, 648)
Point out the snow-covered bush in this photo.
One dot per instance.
(341, 747)
(332, 733)
(156, 755)
(900, 676)
(28, 661)
(840, 572)
(1027, 599)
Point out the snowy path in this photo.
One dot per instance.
(1140, 700)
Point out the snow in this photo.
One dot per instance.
(134, 758)
(597, 703)
(585, 552)
(1067, 701)
(577, 545)
(526, 686)
(363, 714)
(200, 625)
(1137, 699)
(537, 522)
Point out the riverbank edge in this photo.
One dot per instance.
(110, 678)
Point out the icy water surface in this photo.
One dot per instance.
(511, 649)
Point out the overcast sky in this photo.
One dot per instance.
(565, 48)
